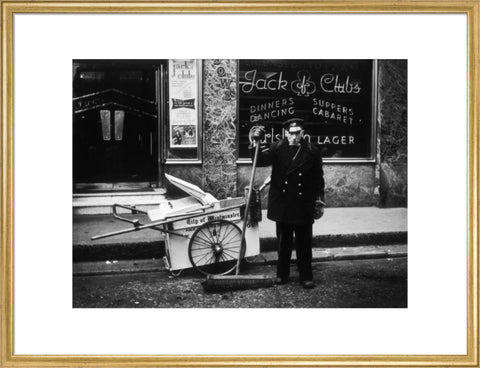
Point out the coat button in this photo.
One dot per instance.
(299, 184)
(284, 191)
(300, 193)
(299, 174)
(286, 182)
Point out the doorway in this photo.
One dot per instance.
(116, 124)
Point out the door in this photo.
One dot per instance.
(115, 124)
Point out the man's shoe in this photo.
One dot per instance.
(307, 284)
(281, 280)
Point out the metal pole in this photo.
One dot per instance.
(159, 92)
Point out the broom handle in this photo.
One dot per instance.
(247, 207)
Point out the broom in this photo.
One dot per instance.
(222, 283)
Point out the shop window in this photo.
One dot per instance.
(336, 98)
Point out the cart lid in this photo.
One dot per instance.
(177, 207)
(196, 202)
(193, 190)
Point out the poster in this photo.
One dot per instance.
(183, 103)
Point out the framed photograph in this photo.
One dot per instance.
(138, 122)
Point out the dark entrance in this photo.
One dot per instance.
(115, 124)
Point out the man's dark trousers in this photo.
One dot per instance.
(303, 246)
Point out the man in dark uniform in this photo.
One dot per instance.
(296, 197)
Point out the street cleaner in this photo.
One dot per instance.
(296, 197)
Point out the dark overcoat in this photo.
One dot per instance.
(296, 181)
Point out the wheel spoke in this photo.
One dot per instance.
(223, 257)
(229, 252)
(204, 241)
(201, 242)
(232, 249)
(212, 259)
(201, 251)
(210, 231)
(228, 255)
(233, 241)
(208, 237)
(198, 261)
(219, 230)
(227, 234)
(232, 237)
(230, 258)
(205, 238)
(200, 257)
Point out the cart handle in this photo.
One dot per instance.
(137, 226)
(134, 211)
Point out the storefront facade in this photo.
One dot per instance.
(135, 120)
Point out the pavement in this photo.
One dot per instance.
(342, 233)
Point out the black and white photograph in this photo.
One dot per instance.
(239, 183)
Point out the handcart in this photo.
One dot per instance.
(200, 231)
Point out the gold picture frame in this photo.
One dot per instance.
(472, 11)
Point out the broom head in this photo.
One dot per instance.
(220, 284)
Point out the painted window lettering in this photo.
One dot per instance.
(271, 110)
(334, 84)
(275, 82)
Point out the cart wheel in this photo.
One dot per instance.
(215, 247)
